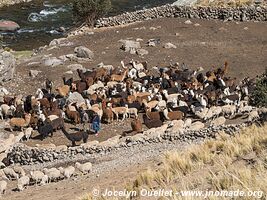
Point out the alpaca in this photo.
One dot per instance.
(76, 137)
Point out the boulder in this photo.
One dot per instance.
(7, 66)
(130, 46)
(6, 25)
(83, 52)
(75, 97)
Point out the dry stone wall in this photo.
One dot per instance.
(249, 13)
(25, 155)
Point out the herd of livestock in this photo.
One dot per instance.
(150, 95)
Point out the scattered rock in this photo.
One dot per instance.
(196, 24)
(188, 22)
(83, 52)
(141, 52)
(34, 73)
(74, 67)
(130, 46)
(52, 62)
(169, 46)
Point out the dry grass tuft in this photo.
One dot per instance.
(230, 163)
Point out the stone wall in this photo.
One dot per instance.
(25, 155)
(250, 13)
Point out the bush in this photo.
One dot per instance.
(90, 10)
(259, 94)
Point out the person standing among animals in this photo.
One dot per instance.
(96, 124)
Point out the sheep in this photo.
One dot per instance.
(44, 180)
(252, 116)
(7, 110)
(10, 173)
(53, 174)
(213, 112)
(28, 133)
(20, 122)
(196, 126)
(36, 176)
(3, 185)
(120, 110)
(187, 123)
(63, 91)
(23, 182)
(19, 137)
(84, 168)
(19, 170)
(228, 110)
(219, 121)
(67, 172)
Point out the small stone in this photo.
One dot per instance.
(196, 24)
(169, 46)
(246, 28)
(141, 52)
(34, 73)
(188, 22)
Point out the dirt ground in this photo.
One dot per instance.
(243, 45)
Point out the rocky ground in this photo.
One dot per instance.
(206, 44)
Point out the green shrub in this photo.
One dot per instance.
(259, 94)
(90, 10)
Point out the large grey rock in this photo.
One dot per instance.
(83, 52)
(130, 46)
(75, 97)
(7, 66)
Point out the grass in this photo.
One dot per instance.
(228, 163)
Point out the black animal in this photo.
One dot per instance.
(76, 137)
(45, 130)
